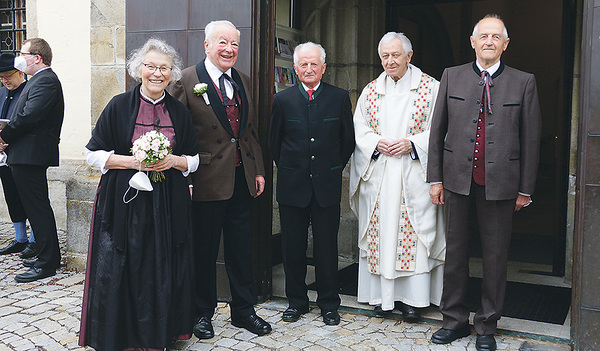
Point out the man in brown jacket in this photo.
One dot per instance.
(229, 176)
(483, 159)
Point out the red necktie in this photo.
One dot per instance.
(485, 76)
(310, 94)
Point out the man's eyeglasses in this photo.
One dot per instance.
(8, 76)
(163, 69)
(27, 53)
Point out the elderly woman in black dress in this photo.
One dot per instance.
(138, 288)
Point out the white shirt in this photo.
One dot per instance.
(315, 88)
(215, 73)
(490, 70)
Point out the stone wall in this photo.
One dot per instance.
(107, 50)
(107, 40)
(89, 58)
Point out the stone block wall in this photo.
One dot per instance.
(107, 40)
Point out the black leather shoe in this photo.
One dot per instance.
(252, 323)
(331, 317)
(30, 262)
(33, 274)
(446, 336)
(203, 328)
(485, 343)
(30, 251)
(378, 311)
(409, 313)
(13, 247)
(292, 314)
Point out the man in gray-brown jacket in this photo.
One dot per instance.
(229, 176)
(483, 159)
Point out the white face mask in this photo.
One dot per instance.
(21, 63)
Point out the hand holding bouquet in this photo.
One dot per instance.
(150, 148)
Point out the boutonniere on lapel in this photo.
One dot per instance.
(200, 89)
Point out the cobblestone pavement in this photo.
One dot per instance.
(44, 315)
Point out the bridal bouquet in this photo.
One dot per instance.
(151, 148)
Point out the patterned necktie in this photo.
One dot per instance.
(485, 76)
(310, 94)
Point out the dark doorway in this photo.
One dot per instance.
(542, 40)
(181, 23)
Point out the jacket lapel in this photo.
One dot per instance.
(213, 97)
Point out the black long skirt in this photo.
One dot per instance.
(140, 296)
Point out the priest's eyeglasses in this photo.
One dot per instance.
(3, 78)
(163, 69)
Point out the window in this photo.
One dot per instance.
(12, 30)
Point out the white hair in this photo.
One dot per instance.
(210, 29)
(389, 36)
(490, 15)
(307, 45)
(136, 58)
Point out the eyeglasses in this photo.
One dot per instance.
(163, 69)
(27, 53)
(8, 76)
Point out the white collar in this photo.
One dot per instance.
(307, 88)
(154, 102)
(214, 72)
(490, 70)
(41, 69)
(415, 79)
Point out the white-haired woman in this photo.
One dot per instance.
(138, 288)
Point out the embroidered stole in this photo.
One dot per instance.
(406, 247)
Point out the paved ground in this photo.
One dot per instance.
(44, 315)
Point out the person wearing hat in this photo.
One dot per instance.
(13, 82)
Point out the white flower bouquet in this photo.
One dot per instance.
(200, 89)
(150, 148)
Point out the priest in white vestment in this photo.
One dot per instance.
(401, 235)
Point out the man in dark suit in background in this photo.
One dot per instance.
(230, 175)
(483, 159)
(311, 139)
(33, 135)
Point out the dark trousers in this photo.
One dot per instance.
(495, 229)
(233, 218)
(32, 185)
(11, 195)
(294, 226)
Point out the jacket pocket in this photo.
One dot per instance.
(456, 98)
(331, 119)
(205, 157)
(336, 168)
(511, 105)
